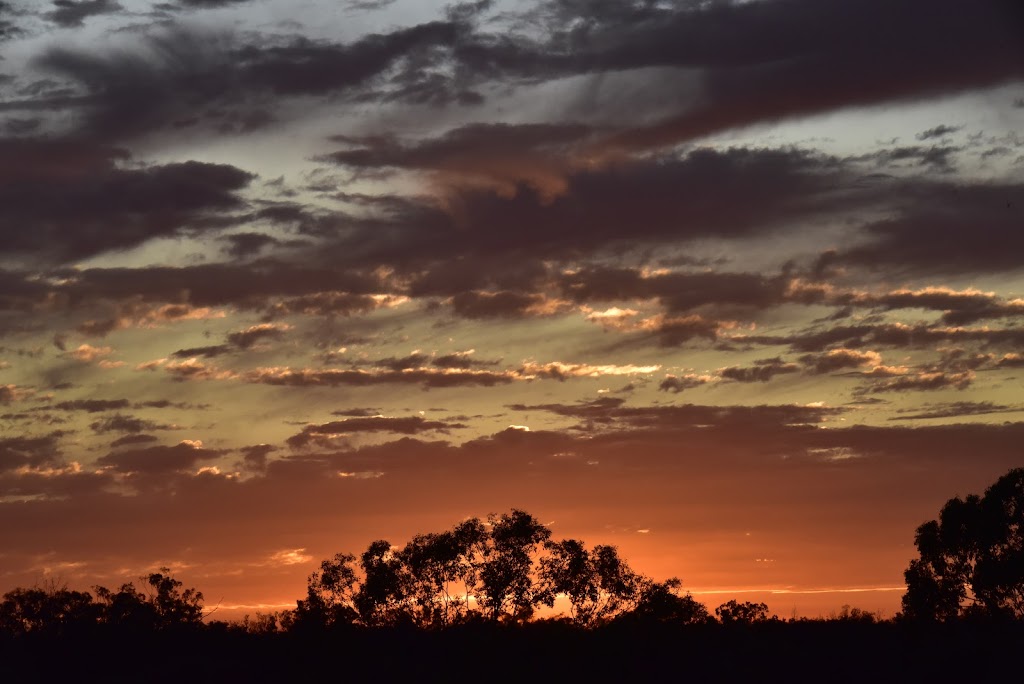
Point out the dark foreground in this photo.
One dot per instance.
(780, 652)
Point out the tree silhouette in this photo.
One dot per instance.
(51, 610)
(598, 584)
(163, 605)
(971, 560)
(501, 571)
(507, 588)
(745, 613)
(661, 602)
(330, 595)
(382, 599)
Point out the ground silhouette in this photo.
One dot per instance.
(462, 604)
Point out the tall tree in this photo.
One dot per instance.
(330, 594)
(971, 560)
(598, 583)
(507, 587)
(383, 599)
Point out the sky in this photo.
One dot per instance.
(737, 287)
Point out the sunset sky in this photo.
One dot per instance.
(737, 287)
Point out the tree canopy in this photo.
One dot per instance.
(971, 560)
(499, 570)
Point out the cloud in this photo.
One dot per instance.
(939, 131)
(91, 405)
(676, 384)
(494, 155)
(193, 369)
(956, 409)
(66, 200)
(770, 61)
(944, 228)
(427, 377)
(880, 335)
(839, 359)
(87, 353)
(218, 284)
(1011, 360)
(925, 380)
(323, 435)
(245, 339)
(70, 14)
(128, 440)
(179, 77)
(127, 424)
(763, 370)
(367, 5)
(483, 305)
(158, 459)
(959, 307)
(612, 411)
(206, 352)
(17, 452)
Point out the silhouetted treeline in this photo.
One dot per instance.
(477, 601)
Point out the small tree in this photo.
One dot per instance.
(46, 609)
(745, 613)
(661, 602)
(164, 605)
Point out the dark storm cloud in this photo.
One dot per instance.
(158, 459)
(66, 200)
(69, 14)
